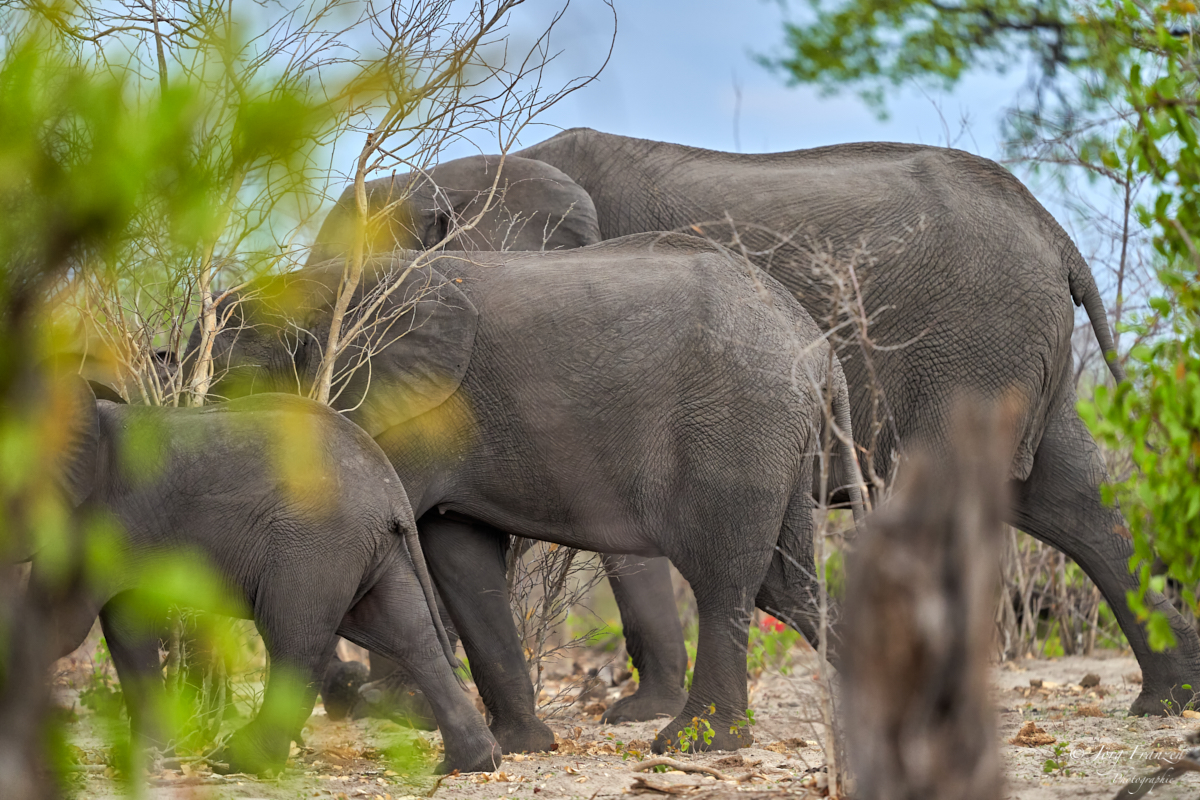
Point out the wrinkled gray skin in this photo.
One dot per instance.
(648, 396)
(308, 567)
(958, 263)
(535, 207)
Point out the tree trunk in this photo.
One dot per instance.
(919, 621)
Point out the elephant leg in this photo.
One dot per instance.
(340, 687)
(1060, 504)
(383, 667)
(725, 585)
(653, 637)
(133, 642)
(790, 592)
(394, 619)
(466, 559)
(391, 693)
(71, 623)
(299, 630)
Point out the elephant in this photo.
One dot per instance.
(535, 207)
(334, 552)
(967, 283)
(652, 395)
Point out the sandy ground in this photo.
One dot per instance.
(1096, 747)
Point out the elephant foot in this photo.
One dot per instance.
(479, 754)
(693, 732)
(340, 688)
(647, 703)
(384, 699)
(1161, 702)
(253, 751)
(529, 735)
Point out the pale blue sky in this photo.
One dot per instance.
(672, 76)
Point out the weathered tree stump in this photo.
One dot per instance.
(918, 625)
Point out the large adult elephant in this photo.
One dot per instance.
(516, 205)
(651, 395)
(968, 284)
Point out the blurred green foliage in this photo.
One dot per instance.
(119, 189)
(876, 45)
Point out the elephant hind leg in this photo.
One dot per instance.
(725, 582)
(790, 592)
(299, 630)
(394, 619)
(1060, 504)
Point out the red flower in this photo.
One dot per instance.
(771, 625)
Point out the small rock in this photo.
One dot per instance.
(1189, 714)
(1036, 683)
(1090, 680)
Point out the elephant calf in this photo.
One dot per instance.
(306, 522)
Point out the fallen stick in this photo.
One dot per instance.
(682, 767)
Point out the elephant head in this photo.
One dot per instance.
(535, 207)
(412, 357)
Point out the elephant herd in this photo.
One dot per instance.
(638, 349)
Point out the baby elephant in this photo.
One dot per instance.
(304, 521)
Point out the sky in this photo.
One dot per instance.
(677, 69)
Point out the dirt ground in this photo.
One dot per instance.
(1094, 746)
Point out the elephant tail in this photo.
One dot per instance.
(845, 435)
(407, 527)
(1085, 293)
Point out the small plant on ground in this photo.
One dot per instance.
(743, 724)
(700, 729)
(771, 644)
(99, 694)
(1058, 764)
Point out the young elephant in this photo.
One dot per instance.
(301, 516)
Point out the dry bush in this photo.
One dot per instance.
(546, 583)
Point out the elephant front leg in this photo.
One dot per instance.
(133, 638)
(653, 637)
(466, 559)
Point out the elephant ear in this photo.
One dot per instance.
(420, 352)
(81, 443)
(537, 206)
